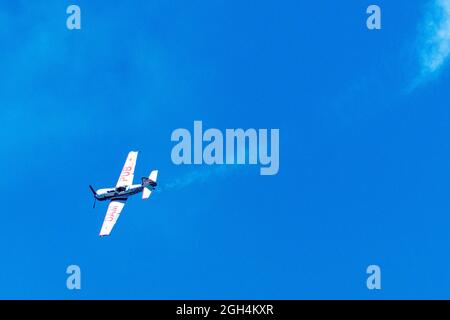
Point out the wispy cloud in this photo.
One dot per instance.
(434, 40)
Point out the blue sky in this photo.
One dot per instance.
(364, 149)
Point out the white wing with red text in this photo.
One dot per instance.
(112, 214)
(127, 174)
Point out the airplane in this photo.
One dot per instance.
(124, 188)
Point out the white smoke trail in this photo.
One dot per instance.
(200, 175)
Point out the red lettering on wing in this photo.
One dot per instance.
(111, 213)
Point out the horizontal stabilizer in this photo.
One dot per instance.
(146, 192)
(153, 175)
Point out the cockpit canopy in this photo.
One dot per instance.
(120, 189)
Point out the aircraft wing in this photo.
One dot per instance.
(112, 214)
(127, 174)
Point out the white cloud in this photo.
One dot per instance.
(435, 39)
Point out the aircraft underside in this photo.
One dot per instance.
(122, 191)
(119, 194)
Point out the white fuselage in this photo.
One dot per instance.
(120, 192)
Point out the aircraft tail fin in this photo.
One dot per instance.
(151, 180)
(153, 175)
(149, 184)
